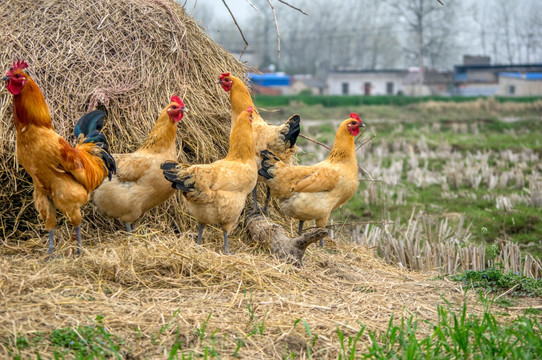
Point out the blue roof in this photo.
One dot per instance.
(518, 75)
(269, 79)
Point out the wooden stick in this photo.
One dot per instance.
(314, 141)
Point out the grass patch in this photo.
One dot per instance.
(496, 280)
(356, 100)
(458, 335)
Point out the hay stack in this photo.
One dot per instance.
(131, 55)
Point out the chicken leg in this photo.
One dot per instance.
(255, 207)
(200, 232)
(226, 247)
(51, 241)
(79, 242)
(267, 199)
(128, 227)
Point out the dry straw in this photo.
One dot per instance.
(140, 284)
(129, 54)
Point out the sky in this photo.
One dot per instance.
(240, 8)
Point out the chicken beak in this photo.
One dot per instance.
(5, 78)
(184, 110)
(362, 125)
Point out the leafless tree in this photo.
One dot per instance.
(429, 30)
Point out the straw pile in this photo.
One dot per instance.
(129, 54)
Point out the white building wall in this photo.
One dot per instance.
(356, 82)
(522, 87)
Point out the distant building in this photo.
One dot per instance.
(269, 83)
(483, 79)
(428, 82)
(520, 84)
(476, 60)
(365, 82)
(305, 83)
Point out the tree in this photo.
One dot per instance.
(429, 31)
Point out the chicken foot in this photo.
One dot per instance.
(128, 226)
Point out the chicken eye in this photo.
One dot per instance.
(174, 107)
(17, 75)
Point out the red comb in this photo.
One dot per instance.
(175, 98)
(355, 116)
(19, 64)
(250, 109)
(223, 75)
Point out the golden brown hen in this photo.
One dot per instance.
(312, 192)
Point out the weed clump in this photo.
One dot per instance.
(495, 279)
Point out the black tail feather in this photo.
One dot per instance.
(266, 155)
(169, 168)
(90, 126)
(293, 129)
(89, 123)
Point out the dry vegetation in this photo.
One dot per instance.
(154, 289)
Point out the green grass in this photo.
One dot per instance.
(497, 280)
(458, 335)
(356, 100)
(82, 342)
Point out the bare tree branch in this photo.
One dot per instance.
(238, 27)
(276, 26)
(293, 7)
(252, 5)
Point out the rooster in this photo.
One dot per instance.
(216, 193)
(63, 176)
(312, 192)
(139, 184)
(279, 139)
